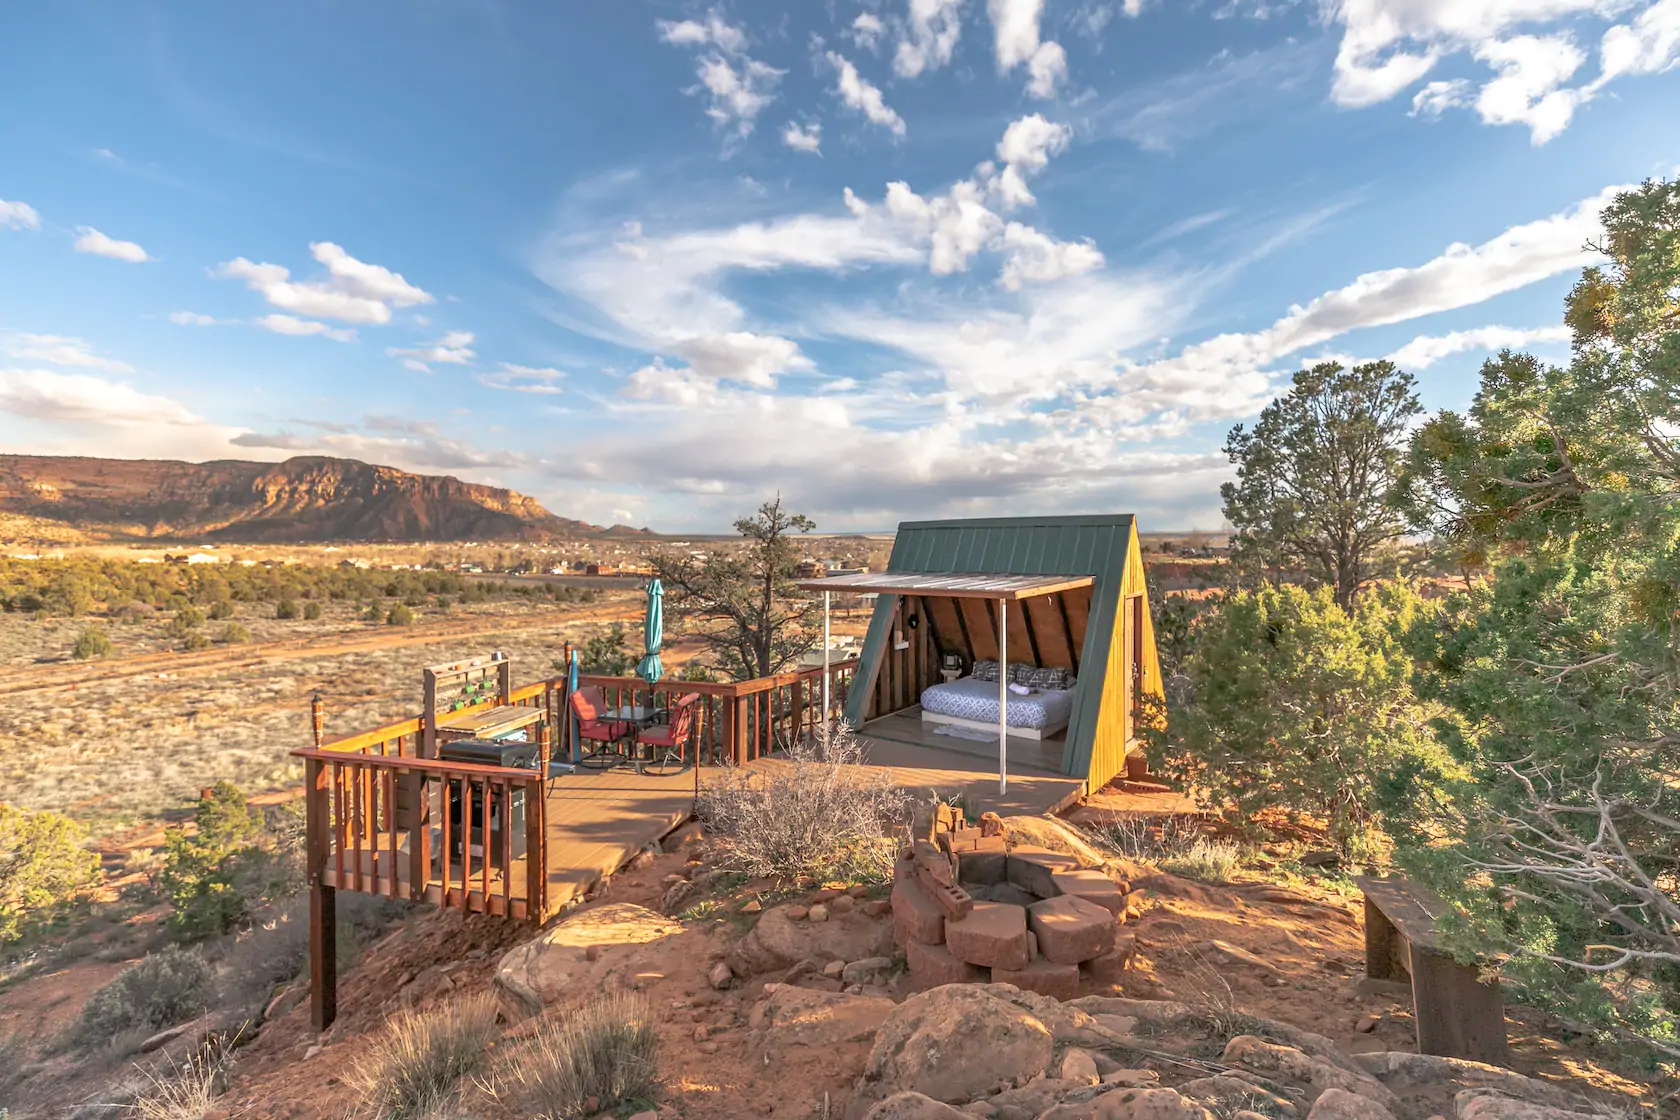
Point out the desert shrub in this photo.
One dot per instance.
(400, 615)
(221, 609)
(92, 642)
(44, 865)
(187, 619)
(422, 1063)
(443, 603)
(823, 815)
(312, 610)
(605, 1050)
(213, 876)
(1293, 702)
(255, 961)
(198, 641)
(163, 989)
(286, 608)
(233, 634)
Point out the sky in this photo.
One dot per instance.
(653, 262)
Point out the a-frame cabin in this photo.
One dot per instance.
(1066, 593)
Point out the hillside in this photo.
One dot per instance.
(308, 498)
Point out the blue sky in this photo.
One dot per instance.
(652, 261)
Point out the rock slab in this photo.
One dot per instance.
(1071, 929)
(994, 935)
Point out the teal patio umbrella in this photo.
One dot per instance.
(649, 668)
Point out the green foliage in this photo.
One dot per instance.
(233, 634)
(695, 670)
(400, 615)
(312, 610)
(745, 606)
(1562, 845)
(165, 988)
(1294, 703)
(213, 875)
(44, 865)
(221, 609)
(90, 643)
(1314, 473)
(606, 653)
(287, 609)
(187, 619)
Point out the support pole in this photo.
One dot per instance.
(825, 674)
(1003, 696)
(318, 718)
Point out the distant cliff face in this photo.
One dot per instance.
(309, 498)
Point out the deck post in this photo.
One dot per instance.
(323, 932)
(825, 709)
(1003, 696)
(536, 850)
(318, 719)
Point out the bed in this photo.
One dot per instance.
(968, 702)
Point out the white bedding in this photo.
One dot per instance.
(970, 699)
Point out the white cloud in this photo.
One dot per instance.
(18, 215)
(1015, 29)
(303, 328)
(1648, 44)
(191, 319)
(1425, 350)
(1032, 257)
(1025, 150)
(1530, 70)
(755, 359)
(738, 96)
(866, 31)
(738, 88)
(352, 291)
(715, 31)
(92, 241)
(1388, 45)
(76, 398)
(523, 379)
(927, 37)
(956, 224)
(1461, 276)
(454, 348)
(1437, 97)
(803, 138)
(60, 350)
(857, 92)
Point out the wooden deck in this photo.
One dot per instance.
(598, 821)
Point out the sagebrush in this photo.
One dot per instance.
(44, 864)
(166, 988)
(605, 1051)
(823, 815)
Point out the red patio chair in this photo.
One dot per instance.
(592, 728)
(670, 741)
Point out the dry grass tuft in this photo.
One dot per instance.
(183, 1090)
(423, 1063)
(605, 1050)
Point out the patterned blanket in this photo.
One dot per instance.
(968, 698)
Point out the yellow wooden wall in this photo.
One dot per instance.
(1111, 744)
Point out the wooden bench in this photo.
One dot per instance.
(1457, 1015)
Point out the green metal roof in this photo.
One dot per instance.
(1085, 545)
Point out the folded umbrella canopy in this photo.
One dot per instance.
(649, 668)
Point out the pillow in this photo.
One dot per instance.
(1020, 673)
(985, 671)
(1049, 679)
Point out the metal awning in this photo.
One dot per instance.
(954, 585)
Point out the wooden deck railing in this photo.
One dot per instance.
(383, 820)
